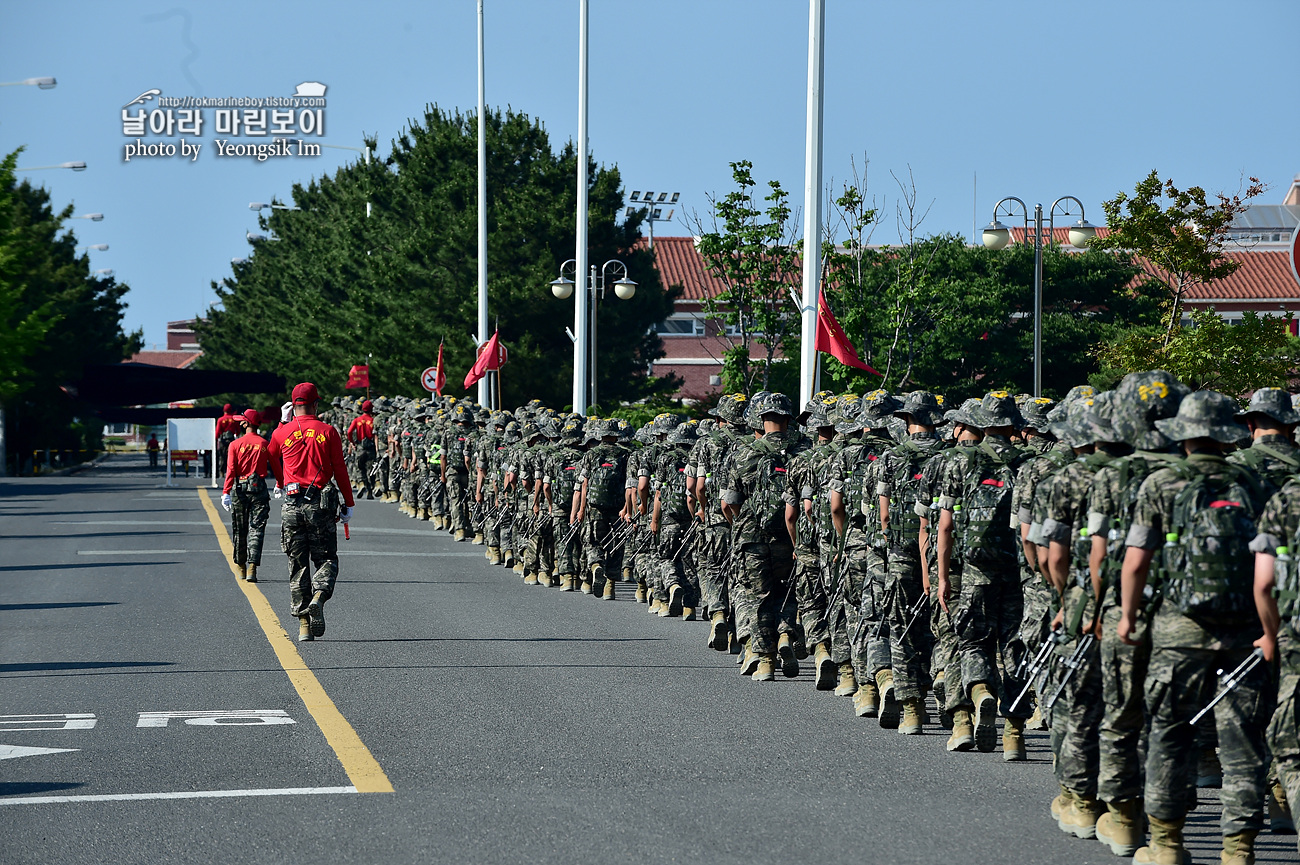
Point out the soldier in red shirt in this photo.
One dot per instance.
(306, 456)
(227, 431)
(361, 434)
(245, 495)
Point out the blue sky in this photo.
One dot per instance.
(1037, 99)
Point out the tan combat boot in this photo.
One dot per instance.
(1013, 740)
(718, 631)
(424, 514)
(986, 717)
(252, 574)
(1080, 818)
(785, 650)
(866, 700)
(243, 571)
(847, 685)
(608, 594)
(912, 724)
(586, 587)
(688, 614)
(640, 592)
(675, 596)
(765, 669)
(1061, 804)
(963, 732)
(460, 535)
(749, 662)
(627, 575)
(316, 609)
(494, 555)
(1239, 849)
(478, 539)
(1120, 828)
(889, 705)
(530, 578)
(1166, 846)
(1280, 821)
(304, 630)
(544, 578)
(1036, 721)
(825, 667)
(566, 582)
(507, 557)
(653, 607)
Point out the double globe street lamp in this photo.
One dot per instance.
(562, 288)
(997, 236)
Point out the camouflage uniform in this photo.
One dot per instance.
(602, 506)
(709, 462)
(808, 473)
(454, 450)
(672, 553)
(309, 536)
(560, 475)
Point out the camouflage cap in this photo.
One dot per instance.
(1204, 414)
(1074, 430)
(706, 425)
(877, 407)
(922, 407)
(731, 408)
(572, 433)
(963, 414)
(607, 428)
(1100, 418)
(530, 431)
(665, 423)
(1144, 398)
(752, 419)
(1271, 402)
(844, 415)
(997, 408)
(1034, 410)
(683, 434)
(462, 414)
(773, 404)
(816, 417)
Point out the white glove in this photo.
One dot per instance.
(347, 514)
(225, 501)
(286, 412)
(278, 492)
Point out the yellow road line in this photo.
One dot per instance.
(363, 770)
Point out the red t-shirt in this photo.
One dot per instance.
(363, 427)
(306, 451)
(228, 423)
(245, 456)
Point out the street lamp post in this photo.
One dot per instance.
(585, 349)
(43, 83)
(93, 217)
(74, 166)
(997, 236)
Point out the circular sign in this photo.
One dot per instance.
(428, 378)
(1295, 253)
(502, 354)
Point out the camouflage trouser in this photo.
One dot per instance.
(567, 556)
(382, 483)
(538, 554)
(858, 613)
(810, 597)
(492, 524)
(598, 528)
(365, 465)
(714, 549)
(250, 506)
(671, 561)
(1179, 682)
(760, 578)
(638, 559)
(1123, 722)
(424, 486)
(1284, 729)
(411, 488)
(438, 492)
(1076, 715)
(986, 618)
(310, 538)
(945, 658)
(223, 450)
(1039, 603)
(458, 493)
(908, 646)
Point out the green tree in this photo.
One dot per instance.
(337, 286)
(750, 245)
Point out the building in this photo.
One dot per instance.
(182, 348)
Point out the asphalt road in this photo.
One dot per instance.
(515, 723)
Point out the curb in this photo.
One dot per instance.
(72, 470)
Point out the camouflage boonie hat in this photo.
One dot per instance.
(1074, 430)
(751, 419)
(572, 433)
(511, 434)
(1100, 418)
(664, 423)
(462, 414)
(844, 414)
(731, 408)
(1144, 398)
(1271, 402)
(922, 407)
(530, 431)
(997, 408)
(1034, 410)
(816, 417)
(963, 413)
(1204, 414)
(773, 403)
(606, 428)
(705, 426)
(876, 409)
(683, 434)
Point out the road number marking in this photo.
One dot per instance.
(218, 718)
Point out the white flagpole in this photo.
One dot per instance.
(483, 385)
(812, 206)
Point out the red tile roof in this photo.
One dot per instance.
(173, 359)
(680, 263)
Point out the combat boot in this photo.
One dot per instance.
(912, 722)
(866, 700)
(801, 648)
(1166, 846)
(688, 614)
(478, 539)
(847, 685)
(1120, 828)
(243, 572)
(1036, 721)
(507, 558)
(1061, 803)
(304, 630)
(675, 595)
(789, 663)
(627, 575)
(1013, 740)
(1239, 849)
(1080, 818)
(252, 574)
(1280, 821)
(316, 609)
(608, 594)
(544, 579)
(519, 567)
(586, 587)
(530, 578)
(963, 732)
(424, 514)
(749, 662)
(938, 687)
(459, 535)
(825, 668)
(494, 555)
(718, 631)
(986, 717)
(566, 582)
(889, 705)
(640, 592)
(765, 669)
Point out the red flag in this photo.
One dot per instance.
(489, 358)
(358, 376)
(832, 339)
(439, 377)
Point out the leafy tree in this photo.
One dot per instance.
(750, 245)
(1176, 234)
(337, 286)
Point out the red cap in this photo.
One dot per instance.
(226, 408)
(252, 417)
(305, 394)
(366, 405)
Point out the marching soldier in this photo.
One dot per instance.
(361, 435)
(245, 495)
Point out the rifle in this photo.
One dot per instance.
(922, 603)
(573, 531)
(880, 622)
(1231, 681)
(1072, 665)
(1040, 662)
(686, 539)
(841, 573)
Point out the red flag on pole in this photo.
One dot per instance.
(358, 376)
(832, 339)
(439, 377)
(489, 358)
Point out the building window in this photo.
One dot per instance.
(681, 325)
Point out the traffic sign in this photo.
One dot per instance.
(428, 377)
(1295, 253)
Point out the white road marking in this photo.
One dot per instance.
(72, 721)
(140, 552)
(218, 718)
(188, 794)
(9, 752)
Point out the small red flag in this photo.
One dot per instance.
(358, 376)
(832, 339)
(489, 358)
(439, 377)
